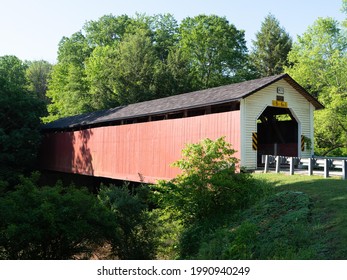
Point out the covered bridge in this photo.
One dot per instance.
(138, 142)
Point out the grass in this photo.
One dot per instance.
(329, 209)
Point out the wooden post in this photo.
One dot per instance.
(266, 168)
(326, 168)
(344, 169)
(278, 164)
(291, 166)
(310, 166)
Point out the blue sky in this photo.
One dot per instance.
(32, 29)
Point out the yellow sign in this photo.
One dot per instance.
(278, 103)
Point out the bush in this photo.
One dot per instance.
(169, 230)
(208, 184)
(136, 235)
(51, 222)
(224, 243)
(207, 193)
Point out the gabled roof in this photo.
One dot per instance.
(196, 99)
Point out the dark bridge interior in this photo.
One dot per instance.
(277, 133)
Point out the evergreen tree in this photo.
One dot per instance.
(271, 47)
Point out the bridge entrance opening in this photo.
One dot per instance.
(277, 131)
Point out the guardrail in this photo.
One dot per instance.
(312, 164)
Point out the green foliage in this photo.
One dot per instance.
(118, 60)
(208, 183)
(271, 47)
(68, 90)
(168, 229)
(276, 228)
(207, 192)
(107, 30)
(20, 114)
(226, 243)
(51, 222)
(68, 86)
(38, 74)
(135, 238)
(319, 62)
(135, 69)
(12, 74)
(215, 48)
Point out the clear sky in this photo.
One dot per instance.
(32, 29)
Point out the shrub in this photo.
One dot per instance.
(135, 238)
(207, 193)
(51, 222)
(169, 230)
(208, 184)
(224, 243)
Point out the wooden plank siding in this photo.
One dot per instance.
(254, 105)
(140, 152)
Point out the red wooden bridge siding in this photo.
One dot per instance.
(139, 152)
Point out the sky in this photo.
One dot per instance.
(32, 29)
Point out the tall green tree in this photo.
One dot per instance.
(20, 114)
(100, 71)
(216, 50)
(173, 76)
(319, 63)
(135, 68)
(271, 48)
(12, 72)
(37, 74)
(107, 30)
(120, 60)
(165, 34)
(125, 73)
(68, 87)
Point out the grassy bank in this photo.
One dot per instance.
(328, 199)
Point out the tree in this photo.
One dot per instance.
(135, 68)
(20, 114)
(271, 47)
(136, 232)
(100, 72)
(37, 74)
(209, 184)
(120, 60)
(319, 63)
(173, 75)
(107, 30)
(125, 73)
(207, 192)
(215, 49)
(68, 88)
(165, 34)
(51, 222)
(68, 91)
(12, 72)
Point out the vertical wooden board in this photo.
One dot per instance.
(139, 152)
